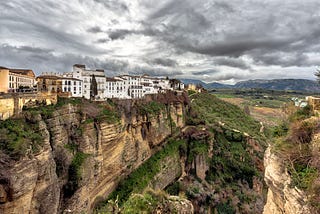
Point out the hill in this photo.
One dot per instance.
(274, 84)
(281, 84)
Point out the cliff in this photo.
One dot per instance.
(292, 165)
(216, 163)
(282, 196)
(83, 151)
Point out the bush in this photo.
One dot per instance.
(74, 173)
(141, 177)
(173, 189)
(303, 176)
(152, 108)
(17, 137)
(108, 115)
(301, 132)
(301, 114)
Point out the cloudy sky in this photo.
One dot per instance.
(212, 40)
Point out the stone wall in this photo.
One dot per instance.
(12, 104)
(314, 102)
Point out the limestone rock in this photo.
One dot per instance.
(282, 198)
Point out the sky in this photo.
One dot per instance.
(212, 40)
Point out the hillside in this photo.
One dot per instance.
(281, 84)
(201, 154)
(218, 157)
(274, 84)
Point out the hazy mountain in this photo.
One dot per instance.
(206, 85)
(281, 84)
(275, 84)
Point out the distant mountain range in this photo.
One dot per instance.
(274, 84)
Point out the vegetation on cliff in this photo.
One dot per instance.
(295, 144)
(138, 180)
(19, 137)
(232, 146)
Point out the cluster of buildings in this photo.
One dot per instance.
(82, 82)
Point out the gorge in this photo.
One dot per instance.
(180, 153)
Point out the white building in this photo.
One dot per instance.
(80, 72)
(72, 85)
(122, 87)
(115, 88)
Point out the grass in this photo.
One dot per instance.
(18, 137)
(141, 177)
(47, 111)
(211, 110)
(75, 173)
(293, 142)
(107, 115)
(151, 108)
(231, 162)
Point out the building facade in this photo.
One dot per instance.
(17, 80)
(58, 83)
(88, 77)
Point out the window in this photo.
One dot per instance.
(74, 83)
(74, 88)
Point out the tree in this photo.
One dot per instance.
(317, 74)
(93, 87)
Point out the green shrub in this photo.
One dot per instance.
(173, 189)
(74, 173)
(231, 162)
(301, 114)
(225, 208)
(108, 115)
(151, 108)
(141, 177)
(17, 137)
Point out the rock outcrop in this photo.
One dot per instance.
(282, 198)
(108, 151)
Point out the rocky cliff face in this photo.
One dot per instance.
(282, 198)
(82, 160)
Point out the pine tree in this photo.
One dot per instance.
(317, 74)
(93, 87)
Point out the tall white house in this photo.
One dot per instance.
(72, 85)
(86, 75)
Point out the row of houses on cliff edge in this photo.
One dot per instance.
(13, 80)
(83, 82)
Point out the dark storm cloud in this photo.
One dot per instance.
(119, 34)
(231, 62)
(184, 11)
(236, 48)
(201, 73)
(140, 70)
(95, 29)
(103, 40)
(32, 49)
(163, 62)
